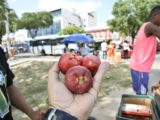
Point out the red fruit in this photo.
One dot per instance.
(78, 79)
(91, 62)
(69, 60)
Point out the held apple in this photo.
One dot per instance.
(69, 60)
(91, 62)
(78, 79)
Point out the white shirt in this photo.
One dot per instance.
(126, 46)
(103, 46)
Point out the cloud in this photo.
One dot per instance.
(79, 6)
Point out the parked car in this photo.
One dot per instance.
(21, 47)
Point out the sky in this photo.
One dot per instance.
(103, 8)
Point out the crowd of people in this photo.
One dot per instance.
(107, 50)
(110, 50)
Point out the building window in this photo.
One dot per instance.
(56, 27)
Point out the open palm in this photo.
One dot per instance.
(78, 105)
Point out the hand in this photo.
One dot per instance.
(78, 105)
(37, 114)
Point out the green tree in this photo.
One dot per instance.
(5, 12)
(13, 18)
(3, 6)
(129, 15)
(34, 21)
(71, 30)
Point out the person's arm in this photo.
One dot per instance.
(72, 106)
(152, 29)
(19, 102)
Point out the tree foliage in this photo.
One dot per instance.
(3, 6)
(34, 21)
(12, 18)
(128, 15)
(71, 30)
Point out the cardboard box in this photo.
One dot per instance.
(145, 100)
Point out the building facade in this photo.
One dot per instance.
(99, 33)
(63, 18)
(89, 19)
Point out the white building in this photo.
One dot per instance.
(63, 18)
(68, 18)
(89, 19)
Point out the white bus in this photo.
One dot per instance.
(50, 45)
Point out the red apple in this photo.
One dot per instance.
(78, 79)
(91, 62)
(69, 60)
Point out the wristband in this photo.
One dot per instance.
(56, 114)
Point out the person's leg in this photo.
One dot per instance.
(135, 81)
(140, 82)
(112, 56)
(112, 59)
(125, 54)
(103, 54)
(108, 54)
(144, 77)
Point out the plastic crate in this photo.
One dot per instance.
(140, 100)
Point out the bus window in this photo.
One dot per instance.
(50, 44)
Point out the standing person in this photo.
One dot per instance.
(9, 94)
(144, 52)
(126, 49)
(66, 49)
(110, 51)
(64, 105)
(84, 50)
(104, 49)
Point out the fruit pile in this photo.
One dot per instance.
(79, 71)
(140, 112)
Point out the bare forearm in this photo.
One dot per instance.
(18, 101)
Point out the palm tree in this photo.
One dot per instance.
(3, 6)
(8, 18)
